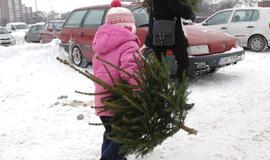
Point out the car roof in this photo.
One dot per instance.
(56, 21)
(39, 23)
(246, 8)
(104, 4)
(17, 23)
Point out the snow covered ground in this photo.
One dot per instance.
(39, 109)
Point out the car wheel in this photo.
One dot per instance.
(214, 70)
(26, 39)
(257, 43)
(77, 57)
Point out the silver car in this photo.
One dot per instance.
(33, 34)
(6, 39)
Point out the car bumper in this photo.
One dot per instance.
(9, 43)
(208, 63)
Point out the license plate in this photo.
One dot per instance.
(227, 60)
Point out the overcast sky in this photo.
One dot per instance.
(60, 5)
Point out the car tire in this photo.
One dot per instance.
(257, 43)
(26, 39)
(77, 57)
(213, 70)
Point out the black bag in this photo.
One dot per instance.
(164, 33)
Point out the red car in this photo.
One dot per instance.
(209, 49)
(50, 30)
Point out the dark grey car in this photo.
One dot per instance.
(33, 34)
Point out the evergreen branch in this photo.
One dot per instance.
(189, 130)
(117, 67)
(108, 72)
(87, 75)
(92, 94)
(134, 104)
(95, 124)
(168, 99)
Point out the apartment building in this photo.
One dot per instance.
(264, 3)
(27, 14)
(13, 11)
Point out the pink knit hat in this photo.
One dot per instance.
(120, 16)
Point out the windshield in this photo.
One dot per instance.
(21, 26)
(57, 26)
(3, 31)
(141, 17)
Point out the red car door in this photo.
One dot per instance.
(72, 31)
(92, 21)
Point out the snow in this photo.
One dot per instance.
(39, 109)
(19, 36)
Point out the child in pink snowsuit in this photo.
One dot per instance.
(116, 43)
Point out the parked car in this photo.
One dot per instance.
(50, 31)
(6, 39)
(17, 26)
(33, 34)
(209, 49)
(250, 25)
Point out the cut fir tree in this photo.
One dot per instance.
(148, 113)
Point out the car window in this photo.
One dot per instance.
(94, 18)
(141, 17)
(219, 18)
(33, 29)
(75, 19)
(13, 28)
(3, 31)
(57, 26)
(255, 15)
(39, 27)
(21, 26)
(45, 27)
(242, 16)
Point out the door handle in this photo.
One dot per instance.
(250, 26)
(223, 28)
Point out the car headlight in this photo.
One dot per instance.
(198, 50)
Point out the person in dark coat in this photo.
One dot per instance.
(169, 10)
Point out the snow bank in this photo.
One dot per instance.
(19, 36)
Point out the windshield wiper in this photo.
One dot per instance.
(143, 25)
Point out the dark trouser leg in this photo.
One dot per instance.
(181, 56)
(110, 148)
(106, 141)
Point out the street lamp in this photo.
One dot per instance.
(36, 5)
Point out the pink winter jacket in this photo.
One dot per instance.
(118, 46)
